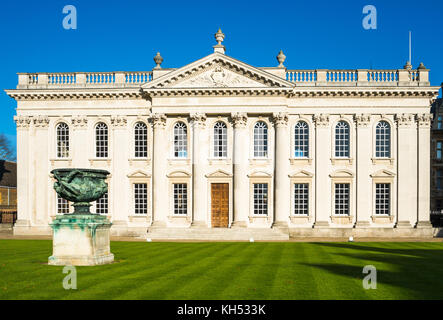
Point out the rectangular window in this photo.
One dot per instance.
(439, 179)
(141, 198)
(261, 198)
(439, 150)
(382, 198)
(342, 198)
(301, 199)
(180, 199)
(62, 205)
(101, 206)
(439, 122)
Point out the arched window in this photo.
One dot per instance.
(383, 140)
(220, 140)
(101, 140)
(342, 140)
(180, 140)
(260, 140)
(301, 140)
(62, 140)
(141, 140)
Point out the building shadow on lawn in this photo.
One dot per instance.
(416, 271)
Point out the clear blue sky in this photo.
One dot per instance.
(125, 35)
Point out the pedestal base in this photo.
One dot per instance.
(81, 240)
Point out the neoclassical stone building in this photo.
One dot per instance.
(220, 149)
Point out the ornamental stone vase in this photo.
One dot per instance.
(81, 238)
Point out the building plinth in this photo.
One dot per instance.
(81, 240)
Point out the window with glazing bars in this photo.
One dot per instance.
(260, 140)
(301, 140)
(141, 198)
(180, 198)
(62, 140)
(342, 198)
(342, 140)
(220, 140)
(101, 140)
(383, 140)
(141, 140)
(62, 205)
(101, 206)
(261, 198)
(382, 198)
(180, 140)
(301, 198)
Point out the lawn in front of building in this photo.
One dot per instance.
(232, 270)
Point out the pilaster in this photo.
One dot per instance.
(199, 159)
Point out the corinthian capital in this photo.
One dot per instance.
(321, 120)
(404, 119)
(198, 120)
(280, 119)
(119, 121)
(22, 121)
(424, 120)
(362, 120)
(158, 120)
(41, 121)
(239, 119)
(79, 121)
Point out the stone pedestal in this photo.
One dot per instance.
(81, 240)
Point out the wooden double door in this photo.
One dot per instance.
(220, 205)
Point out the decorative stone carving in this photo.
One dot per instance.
(41, 121)
(158, 120)
(424, 120)
(79, 121)
(280, 119)
(404, 119)
(240, 119)
(321, 120)
(158, 59)
(362, 120)
(198, 120)
(119, 121)
(281, 58)
(22, 121)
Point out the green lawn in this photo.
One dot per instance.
(290, 270)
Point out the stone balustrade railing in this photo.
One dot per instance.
(399, 77)
(83, 79)
(319, 77)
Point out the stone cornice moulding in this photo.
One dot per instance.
(70, 94)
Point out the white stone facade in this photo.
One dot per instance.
(325, 163)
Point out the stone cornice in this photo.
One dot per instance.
(72, 94)
(205, 92)
(353, 92)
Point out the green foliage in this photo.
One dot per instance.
(6, 149)
(235, 270)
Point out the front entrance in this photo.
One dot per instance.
(220, 205)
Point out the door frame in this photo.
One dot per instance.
(219, 177)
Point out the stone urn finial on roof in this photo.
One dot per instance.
(281, 58)
(408, 65)
(158, 59)
(219, 37)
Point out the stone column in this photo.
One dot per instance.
(199, 159)
(407, 170)
(23, 182)
(40, 160)
(282, 187)
(424, 127)
(241, 183)
(80, 141)
(119, 187)
(363, 161)
(322, 164)
(160, 192)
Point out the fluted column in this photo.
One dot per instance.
(282, 187)
(160, 191)
(407, 170)
(424, 127)
(322, 164)
(199, 159)
(241, 183)
(24, 200)
(363, 162)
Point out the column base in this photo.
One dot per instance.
(321, 224)
(197, 224)
(403, 224)
(362, 224)
(239, 224)
(423, 225)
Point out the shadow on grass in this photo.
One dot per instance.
(417, 272)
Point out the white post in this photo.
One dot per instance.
(200, 145)
(424, 128)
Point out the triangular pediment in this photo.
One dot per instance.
(219, 174)
(138, 174)
(383, 174)
(218, 71)
(301, 174)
